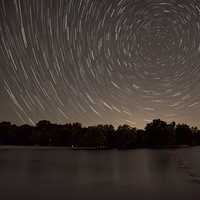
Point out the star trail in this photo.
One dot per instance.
(100, 61)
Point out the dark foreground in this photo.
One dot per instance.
(157, 134)
(35, 173)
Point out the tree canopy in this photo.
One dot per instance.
(157, 133)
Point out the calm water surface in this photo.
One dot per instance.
(53, 173)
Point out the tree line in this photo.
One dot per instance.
(158, 133)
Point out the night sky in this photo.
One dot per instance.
(100, 61)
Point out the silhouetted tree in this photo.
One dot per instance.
(159, 132)
(24, 135)
(183, 134)
(7, 133)
(126, 137)
(156, 134)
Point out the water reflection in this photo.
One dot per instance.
(64, 174)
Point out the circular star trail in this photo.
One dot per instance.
(108, 61)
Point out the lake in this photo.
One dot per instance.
(59, 173)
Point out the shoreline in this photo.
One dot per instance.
(35, 147)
